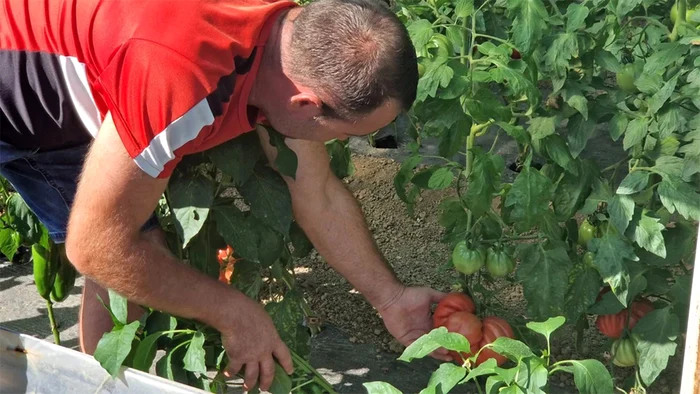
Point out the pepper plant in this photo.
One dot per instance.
(554, 79)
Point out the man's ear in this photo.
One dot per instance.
(308, 103)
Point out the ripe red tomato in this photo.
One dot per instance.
(493, 328)
(639, 310)
(469, 325)
(612, 326)
(515, 55)
(454, 302)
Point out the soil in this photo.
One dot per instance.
(413, 248)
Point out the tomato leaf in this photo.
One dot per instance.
(666, 54)
(635, 133)
(611, 251)
(237, 157)
(680, 295)
(380, 388)
(625, 6)
(146, 352)
(444, 379)
(633, 183)
(194, 357)
(558, 151)
(434, 178)
(576, 15)
(247, 278)
(340, 159)
(118, 304)
(601, 194)
(24, 220)
(10, 241)
(591, 377)
(618, 125)
(529, 24)
(420, 31)
(437, 76)
(237, 231)
(464, 8)
(516, 132)
(659, 98)
(542, 127)
(404, 176)
(547, 327)
(114, 346)
(484, 105)
(190, 198)
(657, 332)
(679, 196)
(669, 166)
(544, 274)
(286, 161)
(580, 131)
(269, 199)
(608, 61)
(484, 181)
(585, 284)
(511, 348)
(573, 189)
(486, 368)
(529, 198)
(435, 339)
(621, 210)
(646, 232)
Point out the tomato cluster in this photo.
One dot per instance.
(612, 326)
(456, 313)
(468, 261)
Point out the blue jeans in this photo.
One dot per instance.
(47, 182)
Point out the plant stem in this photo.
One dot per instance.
(681, 5)
(463, 49)
(52, 321)
(519, 238)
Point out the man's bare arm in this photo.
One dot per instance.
(114, 199)
(335, 224)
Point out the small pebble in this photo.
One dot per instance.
(665, 389)
(377, 332)
(562, 385)
(352, 340)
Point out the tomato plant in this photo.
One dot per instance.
(624, 352)
(567, 83)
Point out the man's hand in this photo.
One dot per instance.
(407, 316)
(251, 342)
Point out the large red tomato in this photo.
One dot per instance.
(612, 326)
(469, 325)
(493, 328)
(453, 302)
(639, 310)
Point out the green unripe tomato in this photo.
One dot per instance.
(498, 263)
(588, 259)
(625, 79)
(586, 232)
(688, 14)
(421, 70)
(624, 352)
(467, 261)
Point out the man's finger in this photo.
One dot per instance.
(267, 373)
(439, 356)
(234, 368)
(282, 355)
(251, 375)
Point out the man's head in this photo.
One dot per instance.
(345, 67)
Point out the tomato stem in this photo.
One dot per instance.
(52, 321)
(681, 5)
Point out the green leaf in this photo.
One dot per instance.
(453, 139)
(680, 295)
(544, 274)
(608, 61)
(146, 352)
(591, 377)
(380, 388)
(421, 31)
(195, 356)
(247, 278)
(484, 106)
(485, 368)
(437, 76)
(190, 199)
(201, 253)
(547, 327)
(633, 183)
(118, 304)
(679, 243)
(611, 251)
(532, 375)
(237, 157)
(529, 198)
(301, 243)
(659, 98)
(237, 231)
(269, 199)
(670, 121)
(340, 158)
(270, 243)
(625, 6)
(608, 305)
(286, 161)
(444, 379)
(114, 346)
(621, 210)
(647, 234)
(281, 383)
(580, 103)
(563, 49)
(585, 285)
(494, 384)
(159, 321)
(542, 127)
(529, 24)
(404, 175)
(434, 178)
(601, 194)
(10, 241)
(573, 189)
(658, 281)
(635, 133)
(657, 332)
(484, 181)
(464, 8)
(435, 339)
(576, 15)
(516, 132)
(517, 82)
(288, 317)
(679, 196)
(666, 54)
(511, 348)
(618, 125)
(580, 131)
(558, 151)
(24, 219)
